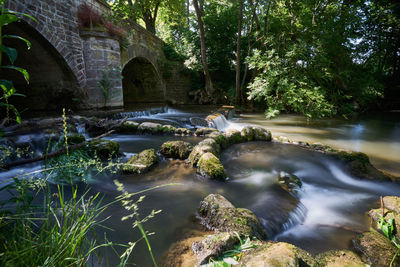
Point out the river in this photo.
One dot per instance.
(325, 214)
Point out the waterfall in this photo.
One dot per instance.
(222, 124)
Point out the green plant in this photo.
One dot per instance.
(232, 257)
(6, 17)
(388, 229)
(111, 78)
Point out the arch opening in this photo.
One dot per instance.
(141, 82)
(52, 84)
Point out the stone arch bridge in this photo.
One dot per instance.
(67, 63)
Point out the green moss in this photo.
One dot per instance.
(129, 127)
(210, 166)
(141, 162)
(76, 139)
(104, 148)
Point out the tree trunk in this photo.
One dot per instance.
(239, 37)
(209, 86)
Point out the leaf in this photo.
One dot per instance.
(6, 19)
(21, 70)
(10, 52)
(19, 38)
(21, 14)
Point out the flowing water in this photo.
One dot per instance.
(325, 214)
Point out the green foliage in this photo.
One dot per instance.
(389, 230)
(8, 90)
(232, 257)
(111, 77)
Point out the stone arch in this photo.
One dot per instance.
(142, 82)
(53, 84)
(57, 23)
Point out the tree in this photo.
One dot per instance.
(238, 83)
(209, 86)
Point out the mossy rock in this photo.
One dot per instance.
(276, 254)
(219, 138)
(129, 127)
(376, 249)
(289, 182)
(150, 127)
(204, 131)
(392, 203)
(339, 258)
(210, 167)
(218, 214)
(359, 165)
(104, 148)
(247, 133)
(182, 131)
(176, 149)
(261, 134)
(167, 129)
(213, 246)
(207, 145)
(76, 139)
(141, 162)
(233, 137)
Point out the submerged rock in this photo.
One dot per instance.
(207, 145)
(212, 246)
(233, 137)
(339, 258)
(210, 167)
(268, 254)
(129, 127)
(141, 162)
(204, 131)
(104, 148)
(289, 182)
(176, 149)
(218, 214)
(376, 249)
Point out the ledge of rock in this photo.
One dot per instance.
(218, 214)
(338, 258)
(141, 162)
(376, 249)
(176, 149)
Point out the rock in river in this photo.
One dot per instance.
(141, 162)
(176, 149)
(209, 166)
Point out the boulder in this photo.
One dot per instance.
(233, 137)
(376, 249)
(214, 246)
(289, 182)
(150, 127)
(176, 149)
(167, 129)
(210, 167)
(103, 148)
(207, 145)
(204, 131)
(268, 254)
(182, 131)
(140, 163)
(219, 138)
(339, 258)
(218, 214)
(392, 203)
(261, 134)
(129, 127)
(247, 133)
